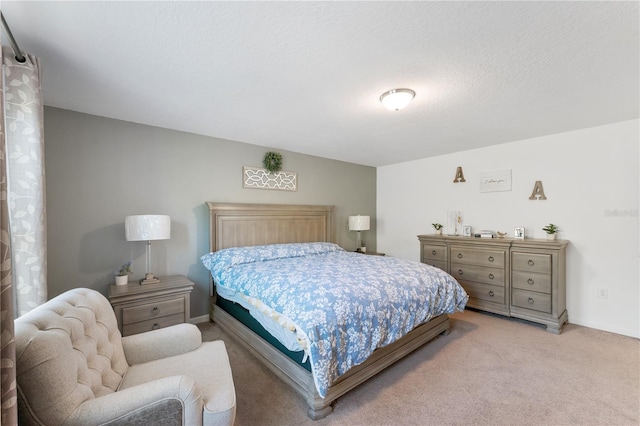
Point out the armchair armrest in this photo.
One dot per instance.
(142, 401)
(161, 343)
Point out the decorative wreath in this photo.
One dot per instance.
(272, 161)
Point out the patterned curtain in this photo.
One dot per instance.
(9, 410)
(26, 185)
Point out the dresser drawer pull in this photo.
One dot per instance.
(490, 258)
(531, 262)
(155, 326)
(433, 252)
(155, 310)
(530, 300)
(491, 293)
(530, 281)
(491, 276)
(459, 255)
(460, 272)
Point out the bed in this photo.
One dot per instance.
(261, 226)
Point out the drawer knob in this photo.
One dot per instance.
(530, 281)
(530, 300)
(459, 271)
(491, 293)
(155, 326)
(531, 262)
(459, 255)
(490, 258)
(491, 276)
(433, 252)
(155, 310)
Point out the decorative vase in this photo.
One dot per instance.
(551, 237)
(122, 279)
(439, 231)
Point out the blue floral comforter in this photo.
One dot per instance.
(346, 305)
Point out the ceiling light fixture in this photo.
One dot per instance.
(396, 99)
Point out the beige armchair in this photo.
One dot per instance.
(73, 367)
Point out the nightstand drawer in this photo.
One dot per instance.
(480, 291)
(152, 324)
(150, 311)
(531, 262)
(480, 257)
(531, 300)
(479, 274)
(531, 281)
(430, 253)
(139, 307)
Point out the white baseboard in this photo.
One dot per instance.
(201, 318)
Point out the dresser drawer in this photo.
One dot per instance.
(150, 311)
(438, 264)
(152, 324)
(432, 252)
(531, 281)
(479, 274)
(531, 300)
(480, 291)
(531, 262)
(480, 257)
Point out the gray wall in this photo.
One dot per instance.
(99, 170)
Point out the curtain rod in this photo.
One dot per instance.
(12, 41)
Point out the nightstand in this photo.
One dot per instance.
(141, 308)
(372, 253)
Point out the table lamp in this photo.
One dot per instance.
(146, 228)
(358, 223)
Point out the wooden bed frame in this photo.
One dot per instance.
(235, 225)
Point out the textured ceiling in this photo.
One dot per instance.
(306, 76)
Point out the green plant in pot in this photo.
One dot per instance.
(437, 227)
(122, 276)
(551, 230)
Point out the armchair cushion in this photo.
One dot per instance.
(145, 400)
(210, 364)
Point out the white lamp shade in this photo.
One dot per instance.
(147, 227)
(397, 99)
(358, 223)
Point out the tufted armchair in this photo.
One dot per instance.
(73, 367)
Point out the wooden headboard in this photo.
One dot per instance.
(237, 225)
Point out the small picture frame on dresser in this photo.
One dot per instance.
(518, 233)
(466, 231)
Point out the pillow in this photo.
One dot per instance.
(226, 258)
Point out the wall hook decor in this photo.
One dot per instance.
(538, 192)
(459, 176)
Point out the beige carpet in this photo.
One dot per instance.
(490, 370)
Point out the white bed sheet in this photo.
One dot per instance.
(277, 325)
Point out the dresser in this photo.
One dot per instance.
(141, 308)
(517, 278)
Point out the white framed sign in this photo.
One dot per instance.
(495, 181)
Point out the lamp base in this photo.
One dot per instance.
(149, 279)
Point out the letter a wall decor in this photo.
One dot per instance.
(538, 192)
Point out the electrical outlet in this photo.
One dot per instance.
(603, 293)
